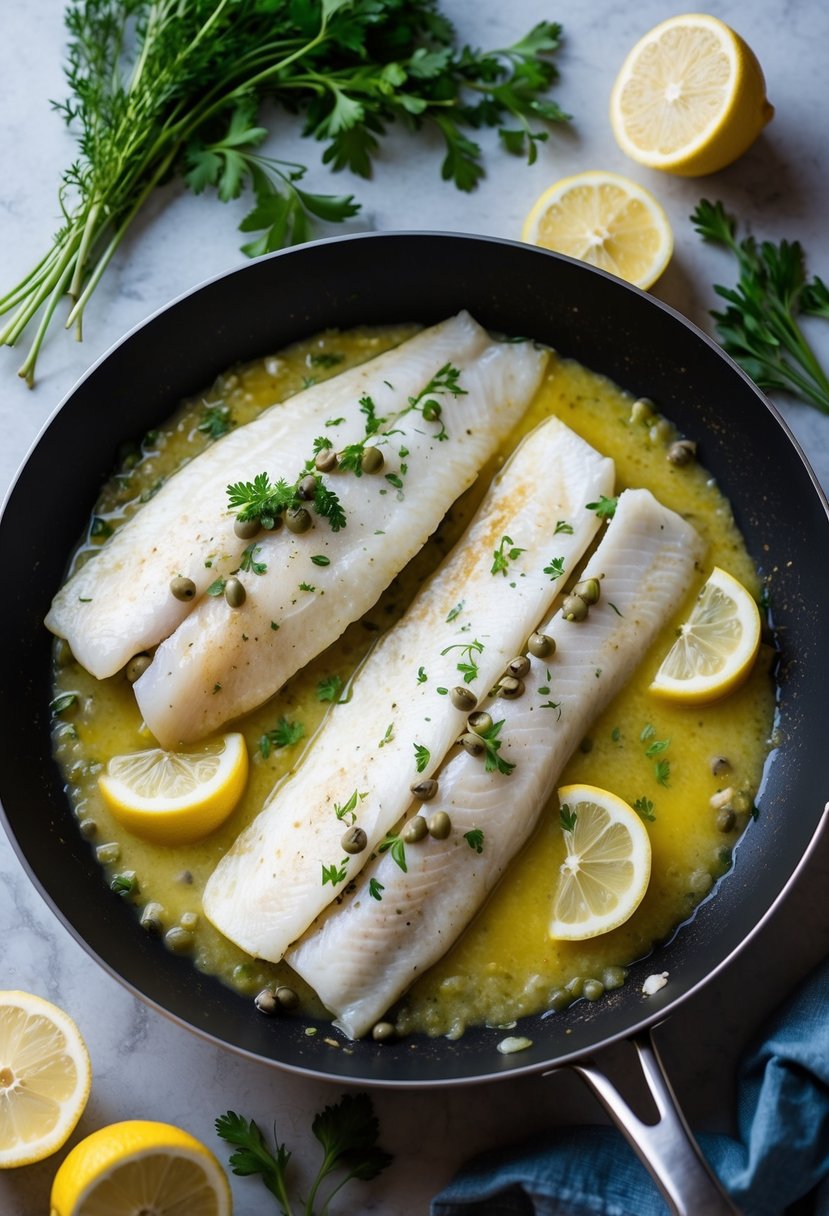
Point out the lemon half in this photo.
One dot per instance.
(716, 647)
(690, 97)
(140, 1166)
(606, 220)
(608, 865)
(176, 797)
(45, 1077)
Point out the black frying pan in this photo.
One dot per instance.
(612, 328)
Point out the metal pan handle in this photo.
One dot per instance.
(666, 1148)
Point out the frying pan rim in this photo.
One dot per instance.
(318, 1071)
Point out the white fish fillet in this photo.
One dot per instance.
(269, 888)
(220, 663)
(364, 954)
(119, 603)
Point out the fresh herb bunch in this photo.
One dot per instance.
(160, 87)
(347, 1131)
(760, 328)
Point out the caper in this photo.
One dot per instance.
(414, 830)
(463, 698)
(431, 411)
(265, 1001)
(189, 920)
(480, 722)
(297, 519)
(589, 590)
(592, 990)
(425, 791)
(720, 765)
(722, 798)
(246, 529)
(725, 819)
(354, 840)
(559, 999)
(574, 608)
(371, 460)
(88, 828)
(440, 825)
(136, 667)
(109, 853)
(614, 977)
(235, 593)
(152, 917)
(182, 588)
(307, 488)
(382, 1032)
(661, 431)
(575, 986)
(62, 652)
(642, 410)
(700, 882)
(178, 940)
(518, 667)
(286, 997)
(682, 451)
(326, 460)
(510, 688)
(472, 743)
(541, 645)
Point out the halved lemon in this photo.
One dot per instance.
(139, 1166)
(608, 864)
(716, 646)
(45, 1077)
(690, 97)
(606, 220)
(176, 797)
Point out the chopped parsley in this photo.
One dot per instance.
(374, 889)
(563, 526)
(284, 734)
(347, 813)
(662, 771)
(329, 688)
(421, 676)
(555, 568)
(644, 808)
(455, 612)
(325, 359)
(475, 839)
(216, 421)
(605, 508)
(396, 848)
(216, 587)
(319, 559)
(388, 736)
(422, 757)
(568, 818)
(506, 552)
(335, 874)
(249, 563)
(64, 701)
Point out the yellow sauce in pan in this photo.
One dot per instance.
(505, 965)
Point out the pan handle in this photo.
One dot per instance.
(666, 1148)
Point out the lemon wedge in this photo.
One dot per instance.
(139, 1166)
(690, 97)
(45, 1077)
(606, 220)
(176, 797)
(716, 646)
(608, 865)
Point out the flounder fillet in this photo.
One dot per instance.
(119, 603)
(400, 722)
(220, 663)
(362, 955)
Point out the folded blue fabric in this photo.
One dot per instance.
(782, 1153)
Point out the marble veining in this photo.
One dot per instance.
(145, 1065)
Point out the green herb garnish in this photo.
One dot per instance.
(568, 818)
(644, 808)
(759, 327)
(605, 508)
(422, 757)
(475, 839)
(506, 552)
(335, 874)
(555, 569)
(249, 563)
(329, 688)
(284, 734)
(395, 846)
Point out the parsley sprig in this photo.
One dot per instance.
(159, 89)
(492, 744)
(759, 327)
(265, 500)
(348, 1132)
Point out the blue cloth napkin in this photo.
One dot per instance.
(782, 1153)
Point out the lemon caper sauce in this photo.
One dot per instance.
(692, 773)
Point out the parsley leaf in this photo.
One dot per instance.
(644, 808)
(555, 569)
(284, 734)
(395, 846)
(422, 756)
(475, 839)
(605, 508)
(329, 688)
(502, 556)
(568, 818)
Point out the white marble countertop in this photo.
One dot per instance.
(145, 1066)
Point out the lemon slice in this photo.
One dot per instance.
(606, 220)
(716, 646)
(690, 97)
(45, 1076)
(176, 797)
(608, 864)
(136, 1167)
